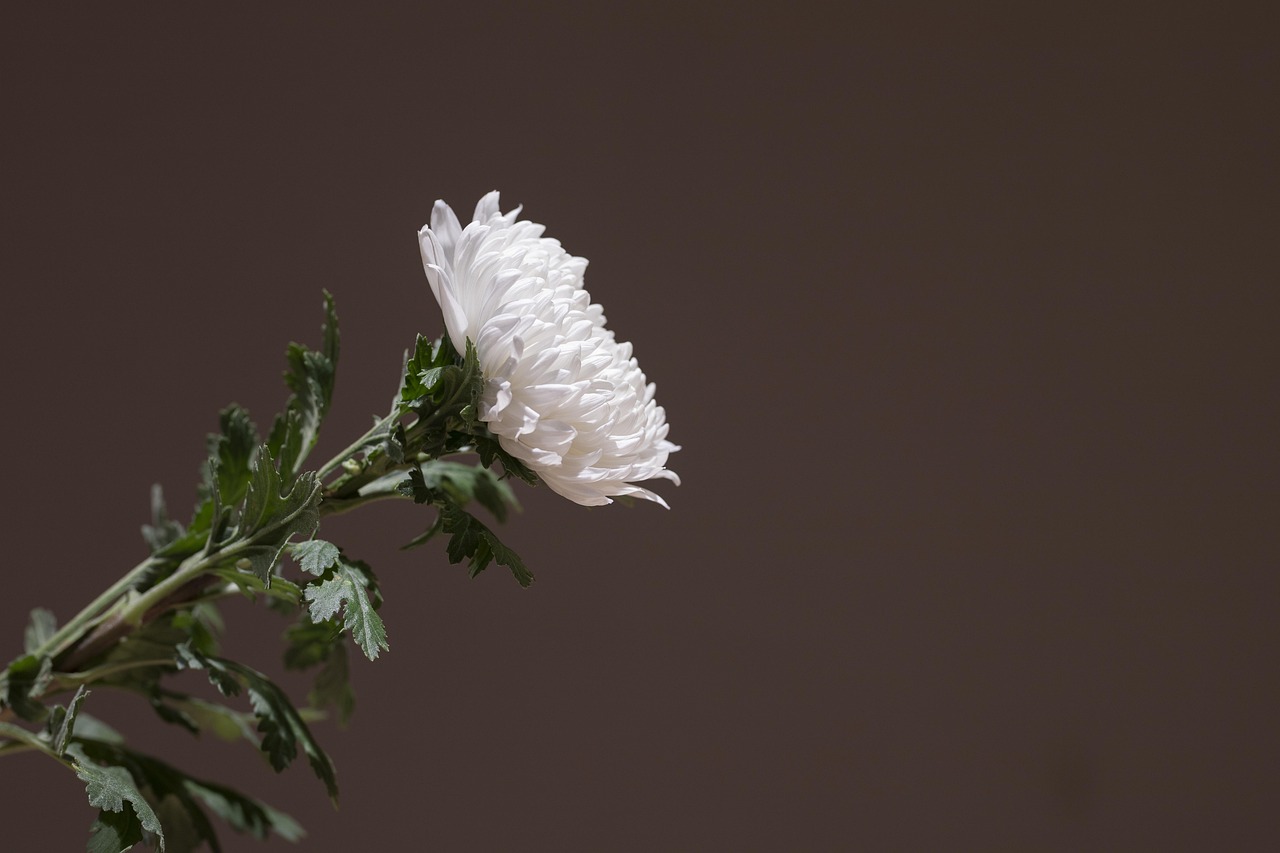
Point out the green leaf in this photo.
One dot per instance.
(395, 441)
(109, 788)
(153, 643)
(285, 440)
(311, 644)
(90, 727)
(202, 623)
(272, 516)
(491, 451)
(315, 555)
(471, 540)
(174, 716)
(346, 587)
(40, 629)
(310, 377)
(282, 727)
(426, 357)
(245, 814)
(162, 531)
(332, 688)
(464, 483)
(26, 678)
(183, 798)
(114, 832)
(416, 487)
(185, 824)
(60, 735)
(225, 723)
(308, 643)
(233, 451)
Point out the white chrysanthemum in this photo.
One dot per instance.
(560, 393)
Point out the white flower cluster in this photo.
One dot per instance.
(560, 393)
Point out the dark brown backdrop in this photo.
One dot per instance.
(966, 321)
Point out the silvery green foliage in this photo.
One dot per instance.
(258, 500)
(527, 384)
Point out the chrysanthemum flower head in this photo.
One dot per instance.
(561, 394)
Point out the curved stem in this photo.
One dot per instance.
(355, 447)
(67, 680)
(65, 636)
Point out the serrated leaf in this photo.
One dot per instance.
(232, 450)
(91, 728)
(311, 644)
(272, 516)
(162, 531)
(282, 727)
(183, 798)
(308, 643)
(310, 376)
(285, 440)
(221, 677)
(465, 483)
(330, 334)
(41, 627)
(430, 378)
(345, 588)
(472, 540)
(332, 687)
(61, 735)
(226, 724)
(245, 814)
(114, 832)
(109, 788)
(183, 827)
(22, 681)
(426, 356)
(394, 445)
(174, 716)
(315, 555)
(491, 451)
(425, 536)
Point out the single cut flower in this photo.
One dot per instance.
(561, 394)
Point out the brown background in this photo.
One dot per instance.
(966, 321)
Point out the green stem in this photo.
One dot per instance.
(355, 447)
(69, 633)
(339, 506)
(67, 680)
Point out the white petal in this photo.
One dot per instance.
(561, 394)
